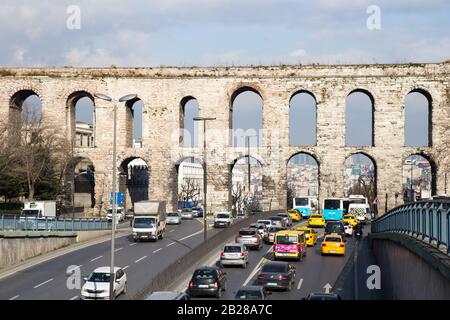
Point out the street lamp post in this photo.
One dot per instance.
(114, 196)
(247, 138)
(205, 212)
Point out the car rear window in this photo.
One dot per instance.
(173, 214)
(231, 249)
(223, 216)
(247, 232)
(287, 239)
(274, 229)
(332, 239)
(266, 222)
(248, 294)
(273, 267)
(276, 218)
(316, 216)
(204, 274)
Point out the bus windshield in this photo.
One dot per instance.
(301, 202)
(332, 204)
(359, 201)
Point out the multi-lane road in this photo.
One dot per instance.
(141, 261)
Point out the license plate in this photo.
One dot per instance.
(271, 284)
(203, 286)
(332, 251)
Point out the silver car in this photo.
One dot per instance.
(187, 214)
(234, 254)
(173, 218)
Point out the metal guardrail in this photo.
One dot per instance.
(428, 221)
(16, 223)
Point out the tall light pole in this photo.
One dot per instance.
(205, 212)
(114, 196)
(247, 138)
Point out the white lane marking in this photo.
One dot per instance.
(41, 284)
(257, 268)
(124, 268)
(133, 244)
(140, 259)
(99, 257)
(118, 249)
(157, 250)
(170, 244)
(172, 230)
(192, 235)
(14, 298)
(73, 298)
(300, 284)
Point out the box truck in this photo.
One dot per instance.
(149, 221)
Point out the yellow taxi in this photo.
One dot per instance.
(316, 220)
(295, 216)
(311, 235)
(333, 244)
(351, 219)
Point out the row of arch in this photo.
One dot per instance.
(303, 177)
(246, 114)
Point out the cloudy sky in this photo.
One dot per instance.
(221, 32)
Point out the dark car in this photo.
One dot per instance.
(277, 275)
(197, 211)
(335, 227)
(323, 296)
(252, 293)
(209, 281)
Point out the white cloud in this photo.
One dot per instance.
(299, 53)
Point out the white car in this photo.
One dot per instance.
(222, 219)
(97, 284)
(120, 215)
(268, 223)
(348, 229)
(173, 218)
(187, 214)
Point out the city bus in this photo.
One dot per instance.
(333, 208)
(305, 205)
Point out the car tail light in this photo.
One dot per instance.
(222, 254)
(216, 285)
(261, 277)
(324, 244)
(242, 254)
(191, 284)
(281, 277)
(341, 245)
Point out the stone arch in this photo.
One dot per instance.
(239, 180)
(82, 134)
(368, 183)
(312, 119)
(131, 122)
(429, 119)
(350, 140)
(189, 181)
(237, 133)
(16, 113)
(134, 180)
(423, 173)
(303, 178)
(80, 178)
(186, 139)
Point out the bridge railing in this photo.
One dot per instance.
(428, 221)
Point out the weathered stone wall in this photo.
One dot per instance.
(162, 89)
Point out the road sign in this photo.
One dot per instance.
(119, 198)
(249, 200)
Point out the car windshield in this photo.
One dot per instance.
(348, 217)
(223, 216)
(99, 277)
(287, 239)
(266, 222)
(332, 204)
(307, 231)
(248, 294)
(204, 274)
(301, 202)
(332, 239)
(29, 213)
(173, 214)
(187, 210)
(274, 229)
(247, 232)
(272, 267)
(276, 218)
(231, 249)
(322, 297)
(144, 222)
(360, 201)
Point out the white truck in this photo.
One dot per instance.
(222, 219)
(359, 207)
(149, 222)
(39, 209)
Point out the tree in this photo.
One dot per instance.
(290, 197)
(237, 196)
(365, 186)
(190, 191)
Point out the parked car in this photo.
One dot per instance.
(187, 214)
(250, 238)
(252, 293)
(335, 227)
(348, 229)
(269, 238)
(173, 218)
(234, 254)
(129, 214)
(97, 284)
(120, 215)
(278, 221)
(222, 219)
(197, 212)
(287, 218)
(322, 296)
(167, 295)
(207, 281)
(277, 275)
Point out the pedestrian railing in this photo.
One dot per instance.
(15, 223)
(428, 221)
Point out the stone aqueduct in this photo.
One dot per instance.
(162, 90)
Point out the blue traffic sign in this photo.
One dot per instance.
(249, 199)
(119, 198)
